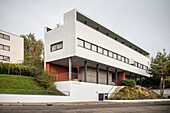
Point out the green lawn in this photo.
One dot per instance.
(16, 84)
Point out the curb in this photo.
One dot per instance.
(79, 103)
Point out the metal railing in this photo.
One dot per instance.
(80, 77)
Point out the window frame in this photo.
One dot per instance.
(56, 46)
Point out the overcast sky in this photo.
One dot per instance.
(143, 22)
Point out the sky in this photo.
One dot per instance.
(145, 23)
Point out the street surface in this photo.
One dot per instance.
(102, 107)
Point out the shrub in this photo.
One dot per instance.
(46, 80)
(16, 69)
(167, 83)
(130, 83)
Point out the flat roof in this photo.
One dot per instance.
(102, 29)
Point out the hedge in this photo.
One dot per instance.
(130, 83)
(16, 69)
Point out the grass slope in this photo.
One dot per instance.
(16, 84)
(133, 93)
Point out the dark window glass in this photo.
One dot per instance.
(87, 45)
(6, 58)
(56, 46)
(94, 48)
(110, 54)
(6, 37)
(1, 57)
(1, 35)
(119, 57)
(1, 46)
(6, 48)
(100, 50)
(105, 52)
(80, 42)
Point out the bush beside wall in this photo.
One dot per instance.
(16, 69)
(130, 83)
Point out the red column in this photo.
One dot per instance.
(47, 66)
(120, 77)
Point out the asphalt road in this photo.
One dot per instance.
(163, 107)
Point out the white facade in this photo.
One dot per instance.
(79, 26)
(11, 48)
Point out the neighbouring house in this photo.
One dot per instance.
(11, 48)
(86, 51)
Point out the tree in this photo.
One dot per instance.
(33, 51)
(160, 67)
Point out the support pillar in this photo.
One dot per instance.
(97, 74)
(136, 79)
(145, 81)
(140, 80)
(70, 67)
(115, 77)
(107, 75)
(85, 71)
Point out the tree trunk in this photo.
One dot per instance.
(163, 84)
(161, 87)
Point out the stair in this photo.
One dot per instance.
(116, 90)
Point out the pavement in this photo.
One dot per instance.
(85, 103)
(87, 107)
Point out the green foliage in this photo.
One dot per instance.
(46, 80)
(132, 93)
(16, 84)
(160, 65)
(130, 83)
(33, 51)
(15, 69)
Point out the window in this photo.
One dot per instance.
(94, 48)
(80, 42)
(114, 55)
(1, 35)
(59, 45)
(105, 52)
(53, 47)
(110, 54)
(123, 59)
(126, 60)
(87, 45)
(136, 64)
(6, 37)
(100, 50)
(56, 46)
(6, 48)
(119, 57)
(1, 57)
(1, 46)
(6, 58)
(139, 65)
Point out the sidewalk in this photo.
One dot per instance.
(87, 103)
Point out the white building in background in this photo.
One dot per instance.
(84, 50)
(11, 48)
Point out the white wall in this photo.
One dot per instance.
(72, 29)
(79, 91)
(65, 33)
(83, 90)
(16, 44)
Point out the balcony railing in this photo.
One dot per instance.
(80, 78)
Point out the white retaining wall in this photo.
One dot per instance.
(79, 91)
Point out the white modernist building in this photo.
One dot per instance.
(84, 50)
(11, 48)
